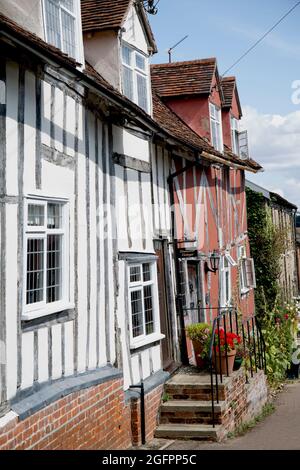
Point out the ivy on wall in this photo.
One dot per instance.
(267, 245)
(277, 318)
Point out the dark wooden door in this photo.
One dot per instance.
(165, 321)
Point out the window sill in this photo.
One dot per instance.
(51, 309)
(148, 340)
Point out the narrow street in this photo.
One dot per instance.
(281, 430)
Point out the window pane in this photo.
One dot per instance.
(126, 55)
(128, 82)
(149, 323)
(140, 61)
(52, 22)
(35, 215)
(135, 274)
(146, 272)
(137, 313)
(54, 267)
(214, 134)
(69, 4)
(68, 30)
(142, 92)
(35, 271)
(54, 216)
(227, 292)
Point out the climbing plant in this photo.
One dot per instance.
(267, 245)
(277, 318)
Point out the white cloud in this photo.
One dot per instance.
(274, 139)
(274, 142)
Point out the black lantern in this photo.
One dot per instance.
(214, 262)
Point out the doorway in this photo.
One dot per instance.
(165, 320)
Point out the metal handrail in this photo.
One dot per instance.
(251, 338)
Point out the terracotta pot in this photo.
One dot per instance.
(223, 369)
(198, 348)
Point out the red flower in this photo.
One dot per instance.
(226, 341)
(286, 316)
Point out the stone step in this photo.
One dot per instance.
(188, 431)
(190, 412)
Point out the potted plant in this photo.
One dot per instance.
(225, 350)
(199, 334)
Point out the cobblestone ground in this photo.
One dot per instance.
(279, 431)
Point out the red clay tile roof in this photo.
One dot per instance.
(229, 88)
(164, 118)
(175, 127)
(228, 85)
(102, 15)
(183, 78)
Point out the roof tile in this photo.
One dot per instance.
(102, 15)
(183, 78)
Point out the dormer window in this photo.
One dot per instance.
(61, 18)
(135, 76)
(216, 127)
(235, 135)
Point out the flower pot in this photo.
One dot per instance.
(222, 368)
(238, 361)
(198, 348)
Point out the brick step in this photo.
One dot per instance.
(188, 431)
(190, 412)
(193, 387)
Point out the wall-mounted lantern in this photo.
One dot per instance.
(214, 261)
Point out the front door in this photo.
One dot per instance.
(165, 320)
(193, 312)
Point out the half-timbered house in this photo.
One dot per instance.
(208, 190)
(112, 201)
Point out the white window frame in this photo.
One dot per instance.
(215, 115)
(76, 14)
(235, 145)
(42, 308)
(244, 261)
(144, 339)
(135, 72)
(225, 270)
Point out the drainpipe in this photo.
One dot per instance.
(179, 305)
(142, 410)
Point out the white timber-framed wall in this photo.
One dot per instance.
(59, 147)
(55, 148)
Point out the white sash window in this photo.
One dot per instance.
(216, 127)
(61, 19)
(143, 303)
(135, 76)
(46, 258)
(247, 271)
(235, 135)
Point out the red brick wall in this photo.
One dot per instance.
(152, 404)
(244, 400)
(95, 418)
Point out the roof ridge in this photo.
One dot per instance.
(210, 60)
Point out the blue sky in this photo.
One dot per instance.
(225, 29)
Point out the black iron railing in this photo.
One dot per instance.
(251, 344)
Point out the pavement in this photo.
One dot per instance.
(279, 431)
